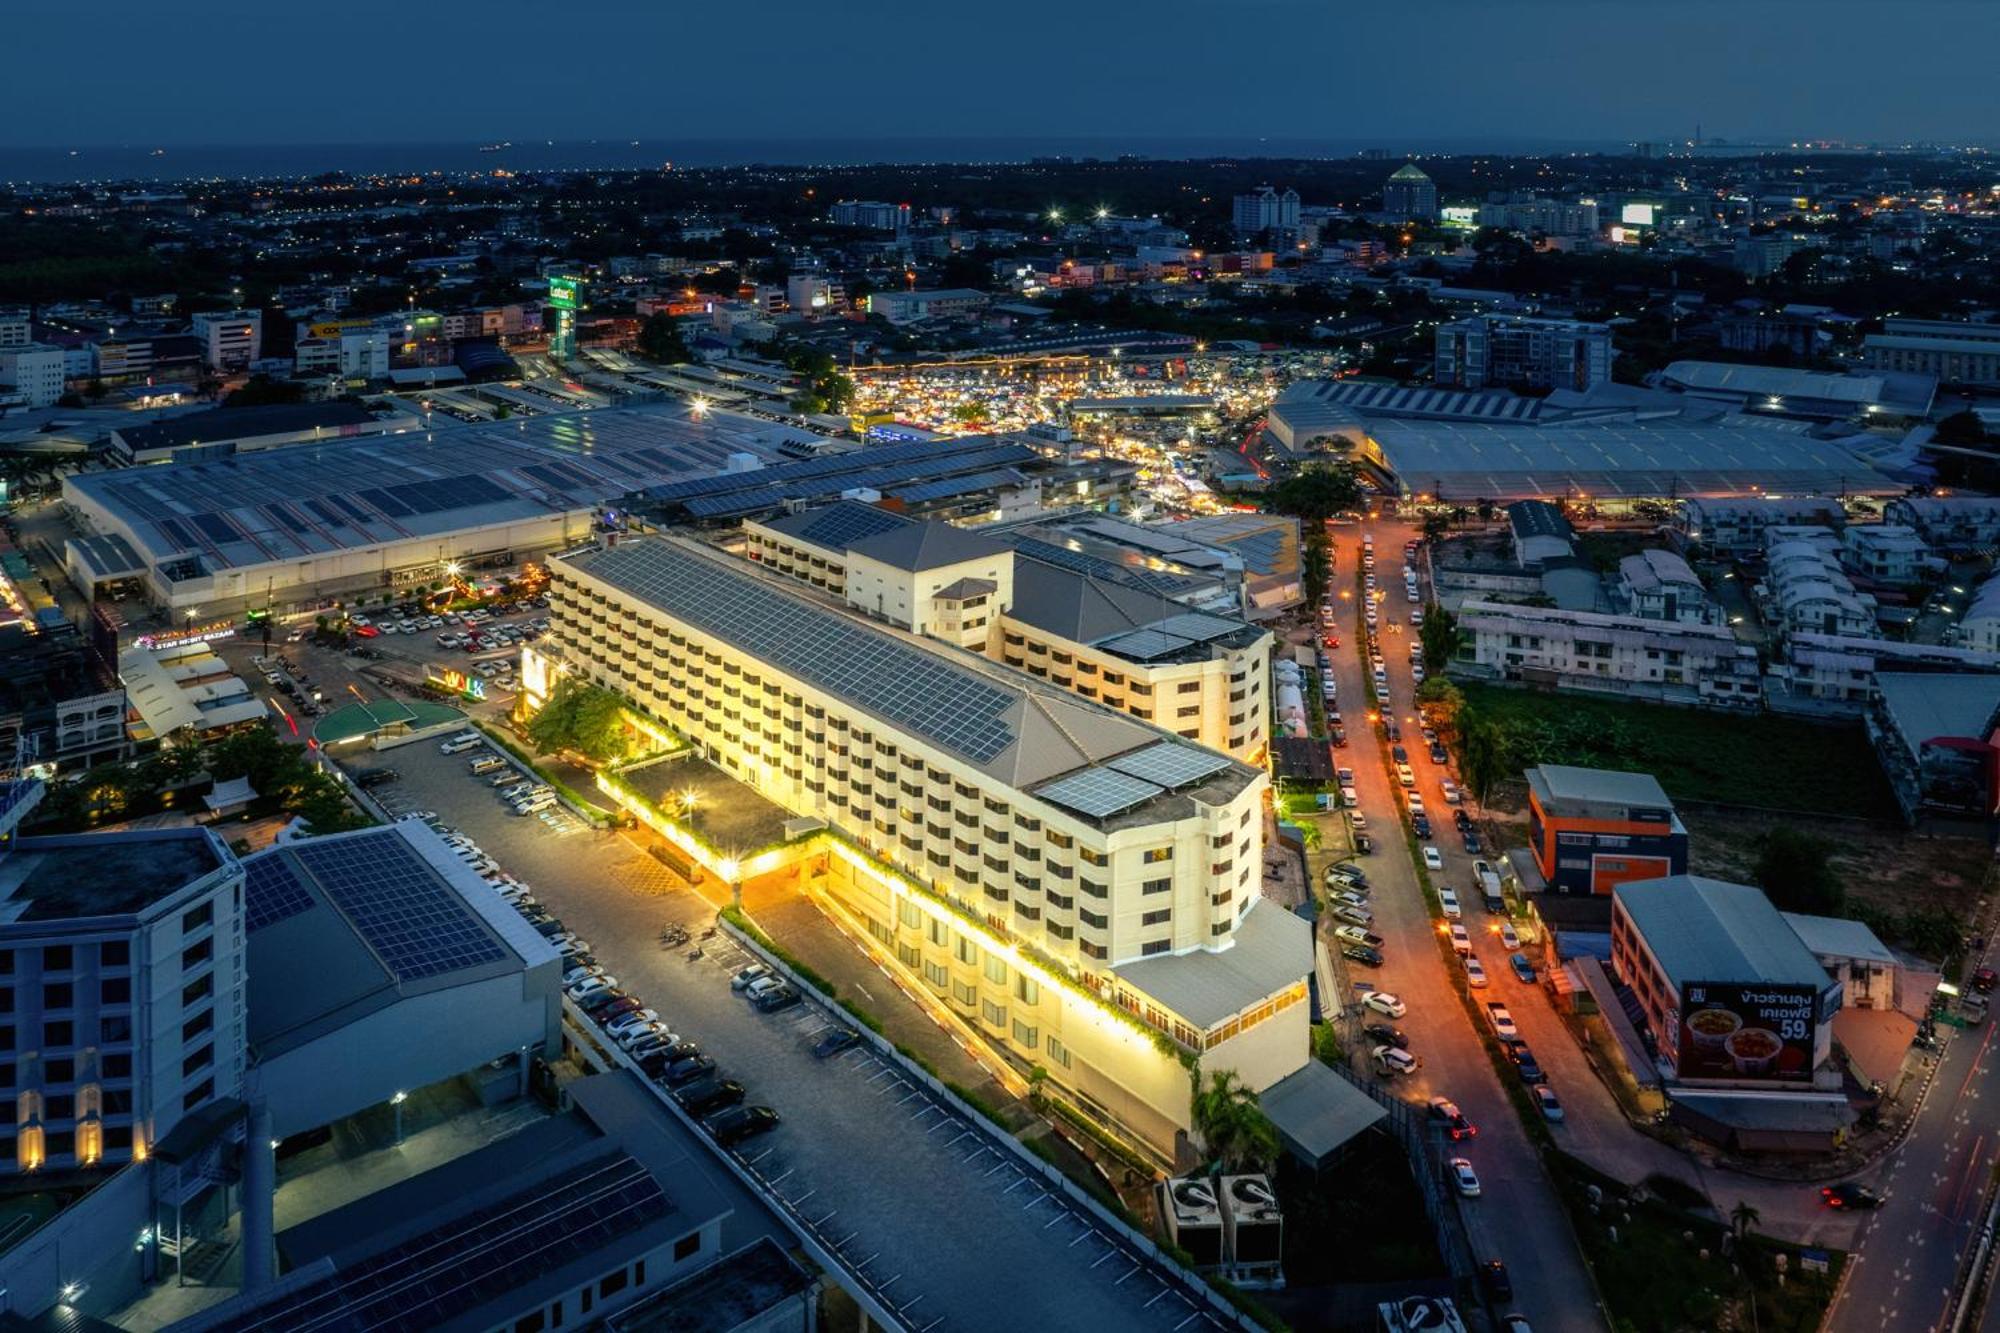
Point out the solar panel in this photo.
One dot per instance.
(1171, 764)
(1144, 645)
(178, 532)
(271, 891)
(1099, 792)
(1199, 627)
(386, 502)
(841, 524)
(414, 923)
(216, 528)
(928, 694)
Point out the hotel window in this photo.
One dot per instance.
(1152, 947)
(965, 993)
(996, 969)
(1155, 855)
(935, 974)
(1058, 1053)
(995, 1015)
(1024, 1035)
(1159, 918)
(1156, 886)
(1026, 989)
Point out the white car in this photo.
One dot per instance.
(1348, 796)
(1384, 1003)
(1460, 941)
(1416, 804)
(1475, 972)
(1503, 1021)
(1463, 1176)
(1449, 790)
(1356, 819)
(1510, 939)
(1432, 860)
(631, 1022)
(748, 976)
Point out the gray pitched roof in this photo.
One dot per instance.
(918, 546)
(1075, 606)
(1926, 705)
(1703, 929)
(1272, 949)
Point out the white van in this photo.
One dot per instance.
(465, 740)
(539, 801)
(486, 763)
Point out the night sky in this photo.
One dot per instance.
(370, 71)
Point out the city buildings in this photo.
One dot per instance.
(187, 689)
(1660, 585)
(1951, 523)
(230, 339)
(1522, 211)
(1881, 398)
(1409, 195)
(233, 430)
(1736, 525)
(1620, 654)
(1520, 351)
(1195, 673)
(1842, 670)
(870, 214)
(1740, 1012)
(1805, 588)
(1267, 209)
(33, 371)
(1886, 552)
(1081, 886)
(906, 307)
(1592, 829)
(1951, 351)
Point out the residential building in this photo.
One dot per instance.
(1870, 973)
(1737, 526)
(1524, 212)
(231, 339)
(1761, 256)
(1046, 866)
(1839, 669)
(1660, 585)
(870, 214)
(1612, 653)
(1409, 195)
(812, 294)
(1763, 334)
(1266, 209)
(1805, 588)
(1523, 352)
(1951, 523)
(1540, 532)
(1937, 736)
(1592, 829)
(1731, 995)
(943, 302)
(1885, 552)
(35, 371)
(123, 961)
(1979, 627)
(16, 328)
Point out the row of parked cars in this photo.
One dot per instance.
(674, 1062)
(523, 794)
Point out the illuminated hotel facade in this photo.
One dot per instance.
(1080, 887)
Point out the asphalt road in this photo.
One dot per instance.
(1518, 1218)
(927, 1205)
(1932, 1188)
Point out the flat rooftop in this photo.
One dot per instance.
(1022, 732)
(1271, 950)
(103, 874)
(764, 490)
(288, 504)
(726, 812)
(1567, 785)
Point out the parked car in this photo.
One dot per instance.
(834, 1042)
(1432, 859)
(1391, 1061)
(1356, 935)
(1510, 938)
(770, 1002)
(1523, 969)
(1384, 1035)
(1362, 953)
(1475, 972)
(1545, 1098)
(740, 1122)
(1525, 1064)
(709, 1095)
(1502, 1020)
(1448, 903)
(1493, 1277)
(742, 980)
(688, 1070)
(1353, 915)
(1385, 1003)
(1464, 1177)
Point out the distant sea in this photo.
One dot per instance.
(147, 162)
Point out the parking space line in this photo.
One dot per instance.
(1128, 1273)
(913, 1093)
(1156, 1300)
(1106, 1255)
(1016, 1185)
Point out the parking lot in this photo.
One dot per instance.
(866, 1157)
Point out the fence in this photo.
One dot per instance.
(1440, 1204)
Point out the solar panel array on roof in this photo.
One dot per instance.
(1144, 645)
(472, 1259)
(416, 925)
(1171, 764)
(1198, 626)
(954, 486)
(915, 689)
(271, 891)
(838, 526)
(1100, 792)
(1167, 585)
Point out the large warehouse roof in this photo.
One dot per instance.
(312, 499)
(1711, 930)
(1476, 460)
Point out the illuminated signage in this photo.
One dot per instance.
(221, 629)
(456, 682)
(1639, 215)
(563, 292)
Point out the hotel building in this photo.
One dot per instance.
(1079, 886)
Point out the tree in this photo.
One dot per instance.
(1961, 428)
(1484, 756)
(1232, 1126)
(969, 413)
(1441, 638)
(1795, 870)
(1436, 524)
(1314, 567)
(1742, 1217)
(1441, 701)
(660, 341)
(582, 717)
(1318, 492)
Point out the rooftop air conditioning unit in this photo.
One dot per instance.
(1194, 1219)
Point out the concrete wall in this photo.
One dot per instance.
(408, 1045)
(93, 1245)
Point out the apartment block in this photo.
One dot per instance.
(1592, 829)
(1737, 527)
(1069, 879)
(1516, 351)
(122, 977)
(1806, 589)
(231, 339)
(1949, 522)
(1619, 654)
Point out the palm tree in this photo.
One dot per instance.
(1233, 1127)
(1742, 1217)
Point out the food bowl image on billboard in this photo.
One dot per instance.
(1735, 1032)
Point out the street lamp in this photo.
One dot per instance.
(396, 1101)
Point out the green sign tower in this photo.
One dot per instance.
(565, 295)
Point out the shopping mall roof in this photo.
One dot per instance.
(222, 424)
(834, 527)
(764, 490)
(343, 925)
(1459, 460)
(1703, 929)
(311, 499)
(1775, 385)
(1068, 751)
